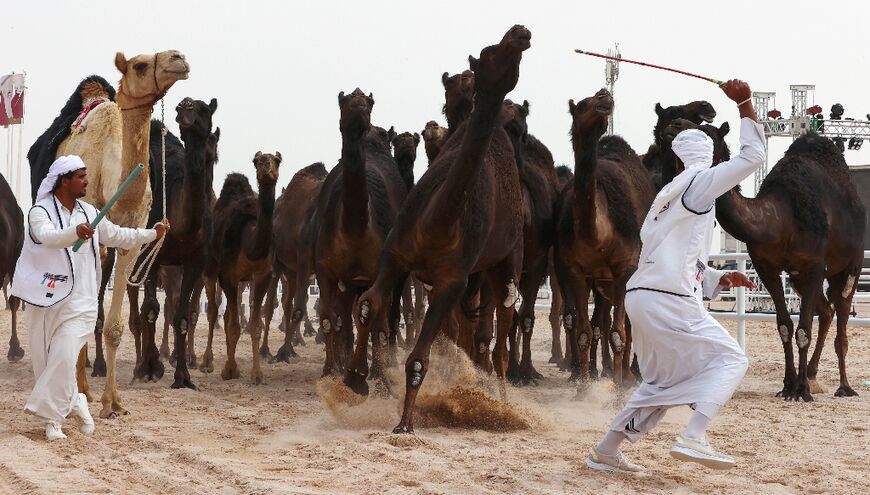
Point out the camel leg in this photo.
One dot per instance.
(401, 301)
(193, 311)
(383, 337)
(231, 327)
(555, 318)
(151, 368)
(809, 286)
(600, 322)
(770, 278)
(207, 363)
(419, 311)
(483, 333)
(825, 312)
(172, 296)
(295, 306)
(326, 315)
(259, 287)
(443, 298)
(529, 285)
(181, 324)
(268, 312)
(842, 290)
(81, 375)
(618, 339)
(99, 366)
(15, 351)
(407, 313)
(578, 328)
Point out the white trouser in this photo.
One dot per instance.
(54, 352)
(685, 358)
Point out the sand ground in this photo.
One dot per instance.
(288, 436)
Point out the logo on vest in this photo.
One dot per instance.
(701, 267)
(51, 280)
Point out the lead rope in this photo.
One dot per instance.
(136, 277)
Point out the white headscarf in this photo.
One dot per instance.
(695, 149)
(62, 166)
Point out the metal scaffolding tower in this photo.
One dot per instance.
(611, 73)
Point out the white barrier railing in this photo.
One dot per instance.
(742, 316)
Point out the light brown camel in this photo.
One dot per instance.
(462, 220)
(115, 141)
(242, 250)
(598, 230)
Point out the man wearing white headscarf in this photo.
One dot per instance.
(685, 356)
(60, 286)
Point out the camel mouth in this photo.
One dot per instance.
(708, 118)
(181, 75)
(604, 107)
(520, 37)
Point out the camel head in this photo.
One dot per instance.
(513, 118)
(458, 96)
(267, 167)
(356, 113)
(717, 134)
(95, 87)
(383, 136)
(405, 147)
(194, 117)
(497, 70)
(148, 77)
(590, 115)
(697, 112)
(433, 133)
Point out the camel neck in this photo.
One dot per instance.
(585, 183)
(406, 170)
(354, 194)
(749, 220)
(195, 191)
(136, 137)
(266, 209)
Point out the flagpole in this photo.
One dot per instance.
(18, 168)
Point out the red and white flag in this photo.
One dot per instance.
(11, 99)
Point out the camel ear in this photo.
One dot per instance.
(659, 109)
(371, 99)
(473, 63)
(212, 105)
(391, 134)
(526, 106)
(340, 97)
(121, 62)
(257, 156)
(217, 134)
(571, 107)
(444, 78)
(416, 138)
(278, 156)
(724, 129)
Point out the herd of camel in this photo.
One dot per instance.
(479, 232)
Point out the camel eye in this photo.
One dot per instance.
(140, 67)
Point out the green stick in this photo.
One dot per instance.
(111, 203)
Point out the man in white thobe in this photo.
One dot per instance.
(685, 356)
(60, 286)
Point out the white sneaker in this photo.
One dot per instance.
(83, 415)
(53, 431)
(617, 462)
(700, 451)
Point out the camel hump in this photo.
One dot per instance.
(315, 170)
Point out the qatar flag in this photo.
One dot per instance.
(11, 99)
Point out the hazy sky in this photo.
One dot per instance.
(276, 67)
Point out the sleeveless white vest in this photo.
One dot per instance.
(45, 276)
(676, 246)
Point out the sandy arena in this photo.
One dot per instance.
(290, 436)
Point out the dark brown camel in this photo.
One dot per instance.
(413, 306)
(294, 251)
(188, 207)
(458, 98)
(598, 230)
(564, 175)
(659, 159)
(808, 221)
(242, 251)
(433, 139)
(540, 191)
(462, 220)
(355, 211)
(169, 279)
(12, 233)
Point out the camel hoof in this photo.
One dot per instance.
(15, 354)
(284, 354)
(206, 367)
(403, 430)
(555, 359)
(816, 387)
(164, 352)
(150, 371)
(357, 383)
(191, 360)
(257, 378)
(99, 367)
(88, 395)
(183, 383)
(266, 354)
(845, 391)
(230, 373)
